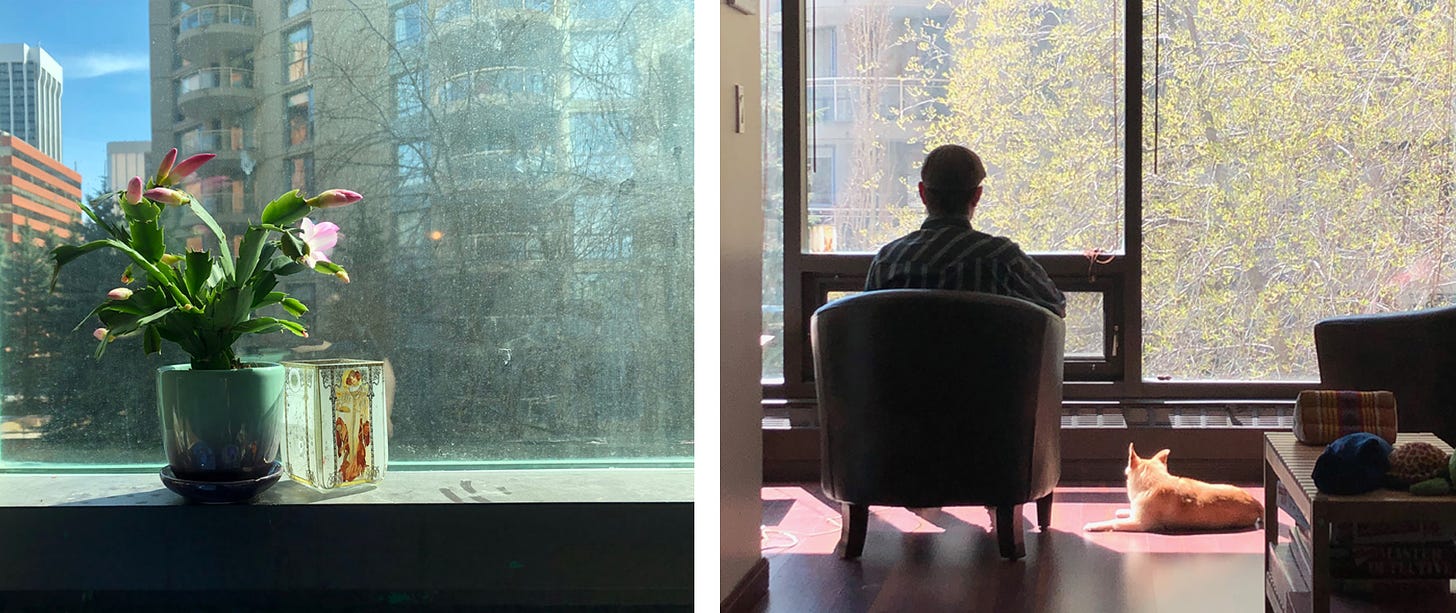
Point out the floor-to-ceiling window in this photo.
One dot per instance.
(1206, 180)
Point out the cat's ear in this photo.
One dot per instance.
(1132, 456)
(1162, 456)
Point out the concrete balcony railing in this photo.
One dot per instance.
(212, 92)
(491, 169)
(205, 30)
(843, 99)
(229, 145)
(513, 85)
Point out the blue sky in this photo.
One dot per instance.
(101, 46)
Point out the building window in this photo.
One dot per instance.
(599, 143)
(410, 93)
(411, 159)
(452, 10)
(297, 52)
(300, 173)
(409, 25)
(294, 8)
(602, 67)
(300, 117)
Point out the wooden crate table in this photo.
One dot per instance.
(1289, 462)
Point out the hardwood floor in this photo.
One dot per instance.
(948, 561)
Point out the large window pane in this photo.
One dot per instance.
(1300, 165)
(1033, 87)
(772, 337)
(523, 255)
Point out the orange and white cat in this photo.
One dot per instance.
(1163, 502)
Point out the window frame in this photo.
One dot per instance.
(290, 61)
(1118, 276)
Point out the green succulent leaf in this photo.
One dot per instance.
(268, 299)
(146, 238)
(65, 254)
(124, 324)
(283, 266)
(199, 271)
(293, 246)
(287, 209)
(151, 340)
(249, 251)
(222, 239)
(260, 325)
(141, 212)
(263, 288)
(293, 306)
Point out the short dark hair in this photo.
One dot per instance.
(951, 174)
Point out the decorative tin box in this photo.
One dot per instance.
(334, 422)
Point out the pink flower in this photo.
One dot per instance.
(187, 167)
(120, 293)
(167, 196)
(321, 238)
(134, 190)
(100, 333)
(333, 198)
(165, 167)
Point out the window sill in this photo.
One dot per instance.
(453, 538)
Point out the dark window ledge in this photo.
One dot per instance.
(540, 537)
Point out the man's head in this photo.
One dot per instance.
(950, 181)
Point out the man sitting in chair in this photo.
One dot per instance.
(945, 253)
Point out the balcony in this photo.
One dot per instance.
(229, 145)
(493, 169)
(515, 87)
(204, 31)
(213, 92)
(841, 99)
(541, 31)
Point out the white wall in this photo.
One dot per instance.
(741, 230)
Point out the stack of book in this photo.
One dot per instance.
(1399, 556)
(1286, 587)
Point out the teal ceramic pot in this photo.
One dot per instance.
(221, 425)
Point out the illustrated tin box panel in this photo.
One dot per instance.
(331, 411)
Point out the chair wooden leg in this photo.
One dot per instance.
(854, 522)
(1044, 511)
(1009, 532)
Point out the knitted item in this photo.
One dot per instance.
(1321, 416)
(1414, 462)
(1353, 464)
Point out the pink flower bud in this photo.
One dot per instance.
(134, 190)
(188, 166)
(165, 167)
(333, 198)
(167, 196)
(120, 293)
(100, 334)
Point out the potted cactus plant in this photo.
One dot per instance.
(221, 415)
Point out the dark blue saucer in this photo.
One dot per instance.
(221, 492)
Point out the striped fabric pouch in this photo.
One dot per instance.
(1321, 416)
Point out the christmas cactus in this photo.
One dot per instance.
(205, 302)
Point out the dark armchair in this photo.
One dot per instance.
(1412, 354)
(931, 398)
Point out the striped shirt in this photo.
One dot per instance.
(945, 253)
